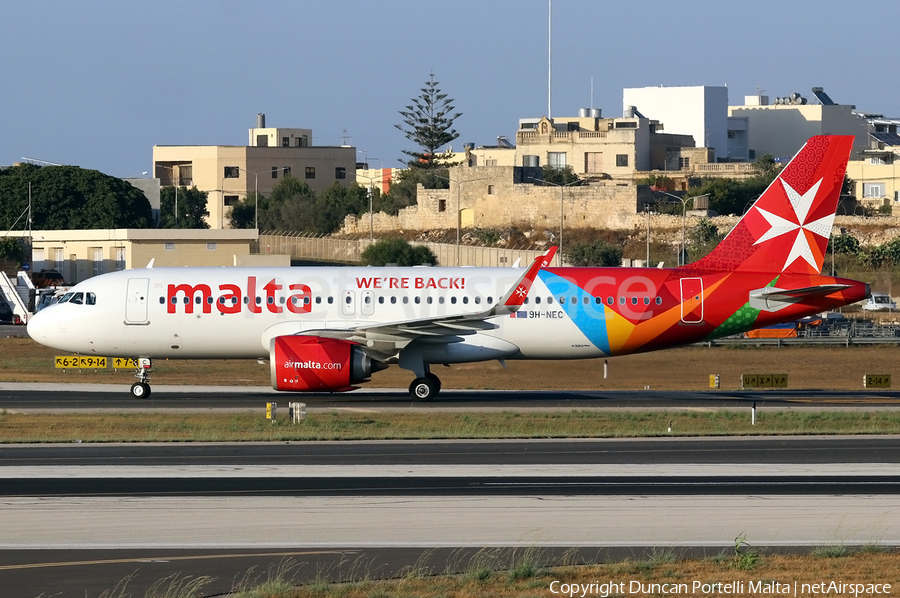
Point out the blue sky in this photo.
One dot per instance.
(98, 83)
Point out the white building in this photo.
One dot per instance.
(700, 111)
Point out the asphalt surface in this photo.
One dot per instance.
(74, 397)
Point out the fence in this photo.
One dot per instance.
(347, 251)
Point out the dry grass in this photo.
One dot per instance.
(688, 368)
(382, 425)
(529, 576)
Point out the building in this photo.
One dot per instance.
(603, 148)
(81, 254)
(781, 128)
(228, 173)
(699, 111)
(874, 169)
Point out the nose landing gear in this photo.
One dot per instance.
(141, 389)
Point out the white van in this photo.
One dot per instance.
(879, 302)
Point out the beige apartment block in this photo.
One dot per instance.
(228, 173)
(81, 254)
(782, 129)
(377, 178)
(600, 147)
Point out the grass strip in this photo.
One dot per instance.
(523, 573)
(334, 425)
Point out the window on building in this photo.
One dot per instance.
(303, 141)
(874, 190)
(97, 260)
(230, 200)
(442, 205)
(531, 161)
(119, 252)
(310, 172)
(492, 162)
(170, 246)
(232, 172)
(626, 124)
(59, 259)
(684, 162)
(490, 189)
(274, 172)
(211, 246)
(262, 141)
(593, 162)
(287, 170)
(340, 172)
(556, 159)
(285, 142)
(621, 160)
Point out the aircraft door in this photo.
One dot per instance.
(367, 308)
(348, 303)
(692, 300)
(136, 300)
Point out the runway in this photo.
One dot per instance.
(79, 517)
(80, 397)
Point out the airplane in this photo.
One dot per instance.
(326, 329)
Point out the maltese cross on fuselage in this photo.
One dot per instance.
(779, 225)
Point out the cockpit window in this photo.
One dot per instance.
(77, 298)
(90, 299)
(65, 298)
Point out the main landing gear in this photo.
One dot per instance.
(141, 389)
(425, 388)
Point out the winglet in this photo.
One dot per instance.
(150, 265)
(517, 293)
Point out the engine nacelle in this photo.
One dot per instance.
(312, 363)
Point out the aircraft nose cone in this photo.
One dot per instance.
(40, 326)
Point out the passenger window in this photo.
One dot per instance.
(246, 300)
(453, 300)
(477, 300)
(381, 300)
(634, 300)
(646, 300)
(441, 300)
(187, 300)
(610, 300)
(418, 299)
(209, 300)
(465, 300)
(305, 300)
(197, 300)
(270, 300)
(259, 300)
(393, 300)
(429, 300)
(281, 300)
(330, 300)
(367, 300)
(537, 300)
(598, 300)
(659, 300)
(491, 299)
(348, 299)
(574, 300)
(405, 300)
(549, 300)
(162, 300)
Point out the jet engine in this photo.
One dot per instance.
(315, 364)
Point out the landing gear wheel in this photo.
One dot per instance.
(424, 389)
(140, 390)
(435, 380)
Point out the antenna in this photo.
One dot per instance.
(592, 93)
(549, 57)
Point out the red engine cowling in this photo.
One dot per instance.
(312, 363)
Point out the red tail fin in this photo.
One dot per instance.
(787, 228)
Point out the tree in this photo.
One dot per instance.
(560, 176)
(68, 197)
(243, 212)
(397, 251)
(429, 124)
(594, 253)
(192, 209)
(11, 250)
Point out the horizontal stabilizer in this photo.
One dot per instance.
(773, 298)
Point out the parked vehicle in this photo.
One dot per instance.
(47, 278)
(879, 302)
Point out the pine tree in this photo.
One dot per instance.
(429, 124)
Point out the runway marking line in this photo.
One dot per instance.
(163, 559)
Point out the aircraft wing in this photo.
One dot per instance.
(405, 331)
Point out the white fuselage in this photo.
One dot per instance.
(204, 313)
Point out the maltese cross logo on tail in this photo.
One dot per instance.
(795, 223)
